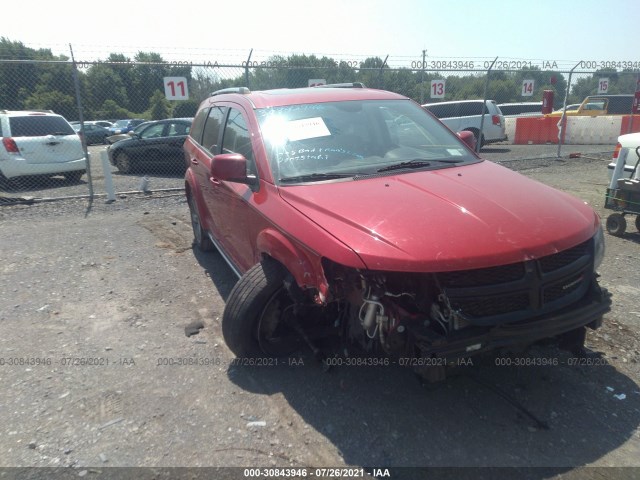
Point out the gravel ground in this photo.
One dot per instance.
(94, 303)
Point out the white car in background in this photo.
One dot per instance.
(627, 145)
(461, 115)
(39, 142)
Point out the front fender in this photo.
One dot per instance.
(304, 266)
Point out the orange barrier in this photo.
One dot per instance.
(537, 130)
(630, 124)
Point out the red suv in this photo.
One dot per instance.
(354, 215)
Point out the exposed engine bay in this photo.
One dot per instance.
(458, 314)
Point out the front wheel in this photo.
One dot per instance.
(123, 162)
(638, 222)
(257, 317)
(616, 224)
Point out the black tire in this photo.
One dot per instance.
(75, 176)
(616, 224)
(200, 237)
(123, 162)
(254, 320)
(638, 222)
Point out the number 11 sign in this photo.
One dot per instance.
(175, 88)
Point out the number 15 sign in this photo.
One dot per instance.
(175, 88)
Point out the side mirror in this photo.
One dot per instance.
(469, 138)
(231, 167)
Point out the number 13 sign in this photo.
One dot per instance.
(175, 88)
(437, 88)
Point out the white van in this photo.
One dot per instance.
(521, 109)
(463, 115)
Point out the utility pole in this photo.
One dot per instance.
(424, 54)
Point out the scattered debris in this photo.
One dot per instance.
(112, 422)
(193, 328)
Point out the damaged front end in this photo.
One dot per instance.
(453, 315)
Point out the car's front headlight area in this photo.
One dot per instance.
(598, 248)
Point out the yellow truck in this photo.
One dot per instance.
(596, 105)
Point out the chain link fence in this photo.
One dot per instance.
(133, 116)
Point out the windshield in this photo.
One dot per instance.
(328, 141)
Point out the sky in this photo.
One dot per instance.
(561, 31)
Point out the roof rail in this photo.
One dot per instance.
(2, 110)
(342, 85)
(240, 90)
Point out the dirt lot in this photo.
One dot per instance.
(93, 309)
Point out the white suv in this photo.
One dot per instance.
(467, 115)
(39, 143)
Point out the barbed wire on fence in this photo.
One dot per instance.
(120, 86)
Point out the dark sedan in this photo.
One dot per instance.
(93, 133)
(157, 147)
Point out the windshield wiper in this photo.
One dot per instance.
(417, 163)
(316, 176)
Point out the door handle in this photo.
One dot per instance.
(215, 181)
(194, 161)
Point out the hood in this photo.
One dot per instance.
(457, 218)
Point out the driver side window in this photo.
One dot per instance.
(154, 131)
(236, 139)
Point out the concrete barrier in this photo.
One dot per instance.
(581, 130)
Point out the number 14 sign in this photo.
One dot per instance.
(175, 88)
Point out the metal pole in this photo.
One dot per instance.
(424, 54)
(381, 80)
(562, 124)
(246, 69)
(632, 116)
(76, 83)
(484, 103)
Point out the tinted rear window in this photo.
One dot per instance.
(39, 126)
(469, 109)
(444, 111)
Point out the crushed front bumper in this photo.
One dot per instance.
(586, 312)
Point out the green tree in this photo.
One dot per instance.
(101, 83)
(187, 108)
(45, 99)
(160, 108)
(111, 109)
(19, 79)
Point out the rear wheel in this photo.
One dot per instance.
(256, 319)
(638, 222)
(200, 237)
(123, 162)
(74, 177)
(616, 224)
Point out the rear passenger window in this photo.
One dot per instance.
(468, 109)
(212, 129)
(236, 139)
(444, 111)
